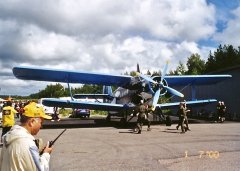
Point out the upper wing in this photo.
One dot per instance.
(195, 79)
(189, 103)
(40, 74)
(85, 105)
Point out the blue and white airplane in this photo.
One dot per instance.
(131, 90)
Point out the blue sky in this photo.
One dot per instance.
(224, 10)
(109, 36)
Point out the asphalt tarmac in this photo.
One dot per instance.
(208, 146)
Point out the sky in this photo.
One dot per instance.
(109, 36)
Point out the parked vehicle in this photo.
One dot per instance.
(80, 113)
(48, 110)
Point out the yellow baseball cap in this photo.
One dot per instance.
(34, 110)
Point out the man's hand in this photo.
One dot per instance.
(47, 149)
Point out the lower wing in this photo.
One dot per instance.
(86, 105)
(189, 103)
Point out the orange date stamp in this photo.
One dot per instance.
(204, 154)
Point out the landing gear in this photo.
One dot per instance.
(123, 121)
(108, 118)
(118, 115)
(159, 115)
(221, 119)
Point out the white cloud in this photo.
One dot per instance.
(230, 34)
(101, 35)
(183, 19)
(163, 19)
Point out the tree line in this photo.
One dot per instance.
(224, 57)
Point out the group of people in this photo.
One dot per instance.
(18, 140)
(182, 114)
(221, 111)
(20, 150)
(17, 105)
(143, 116)
(9, 110)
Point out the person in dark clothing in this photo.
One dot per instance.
(186, 118)
(55, 116)
(222, 111)
(183, 112)
(142, 117)
(218, 111)
(179, 119)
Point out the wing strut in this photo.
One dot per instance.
(70, 91)
(193, 92)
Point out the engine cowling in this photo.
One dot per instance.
(156, 87)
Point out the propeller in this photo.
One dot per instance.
(159, 85)
(149, 79)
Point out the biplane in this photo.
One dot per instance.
(131, 89)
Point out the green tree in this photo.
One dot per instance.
(133, 73)
(88, 89)
(156, 73)
(56, 91)
(148, 72)
(180, 69)
(195, 65)
(223, 57)
(50, 91)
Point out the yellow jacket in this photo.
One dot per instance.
(8, 116)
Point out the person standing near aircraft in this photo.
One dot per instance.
(183, 112)
(218, 111)
(147, 117)
(142, 116)
(8, 121)
(55, 114)
(222, 112)
(20, 152)
(186, 111)
(179, 118)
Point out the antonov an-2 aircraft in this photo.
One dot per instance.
(131, 90)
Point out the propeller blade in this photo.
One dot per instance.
(173, 91)
(164, 72)
(149, 79)
(155, 98)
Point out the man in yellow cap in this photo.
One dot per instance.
(20, 152)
